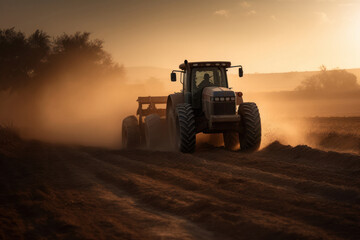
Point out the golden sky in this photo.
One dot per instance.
(262, 35)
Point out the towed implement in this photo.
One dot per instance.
(206, 104)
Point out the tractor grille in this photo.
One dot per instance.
(224, 108)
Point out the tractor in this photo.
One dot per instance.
(206, 105)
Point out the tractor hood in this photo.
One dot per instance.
(209, 92)
(218, 101)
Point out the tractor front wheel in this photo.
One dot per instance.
(231, 140)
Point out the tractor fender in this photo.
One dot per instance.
(173, 100)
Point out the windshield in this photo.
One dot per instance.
(205, 77)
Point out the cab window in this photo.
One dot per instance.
(205, 77)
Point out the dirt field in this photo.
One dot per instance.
(50, 191)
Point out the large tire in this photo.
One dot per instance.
(231, 140)
(182, 131)
(130, 133)
(250, 138)
(187, 129)
(153, 133)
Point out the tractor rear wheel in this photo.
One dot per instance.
(153, 133)
(130, 133)
(187, 131)
(250, 138)
(182, 131)
(231, 140)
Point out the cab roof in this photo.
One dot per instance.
(206, 64)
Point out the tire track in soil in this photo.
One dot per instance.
(278, 193)
(176, 183)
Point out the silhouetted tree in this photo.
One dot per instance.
(35, 59)
(40, 48)
(80, 44)
(333, 80)
(21, 57)
(79, 51)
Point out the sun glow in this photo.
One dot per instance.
(354, 30)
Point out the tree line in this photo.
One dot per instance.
(330, 80)
(39, 58)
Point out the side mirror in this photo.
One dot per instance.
(173, 77)
(241, 72)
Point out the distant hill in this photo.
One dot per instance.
(255, 82)
(269, 82)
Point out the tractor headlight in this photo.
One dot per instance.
(222, 99)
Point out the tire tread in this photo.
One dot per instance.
(250, 139)
(187, 129)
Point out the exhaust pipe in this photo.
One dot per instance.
(187, 93)
(187, 66)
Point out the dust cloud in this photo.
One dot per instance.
(84, 111)
(89, 111)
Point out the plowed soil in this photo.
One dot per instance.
(61, 192)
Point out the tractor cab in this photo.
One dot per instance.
(196, 76)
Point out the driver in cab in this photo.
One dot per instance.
(205, 83)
